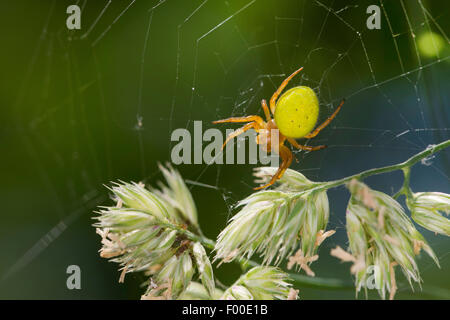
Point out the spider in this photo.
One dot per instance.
(295, 116)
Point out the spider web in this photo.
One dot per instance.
(99, 104)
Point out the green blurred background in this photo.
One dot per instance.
(85, 107)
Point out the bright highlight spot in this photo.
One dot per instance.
(430, 44)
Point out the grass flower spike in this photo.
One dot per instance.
(204, 267)
(153, 231)
(276, 223)
(428, 209)
(381, 236)
(196, 291)
(174, 277)
(177, 195)
(260, 283)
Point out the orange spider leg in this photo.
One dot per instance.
(256, 119)
(302, 147)
(326, 122)
(241, 130)
(266, 110)
(286, 156)
(280, 88)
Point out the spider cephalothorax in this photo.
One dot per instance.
(295, 116)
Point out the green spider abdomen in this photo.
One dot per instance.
(296, 112)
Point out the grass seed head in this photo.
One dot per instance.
(380, 236)
(260, 283)
(144, 232)
(276, 223)
(430, 210)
